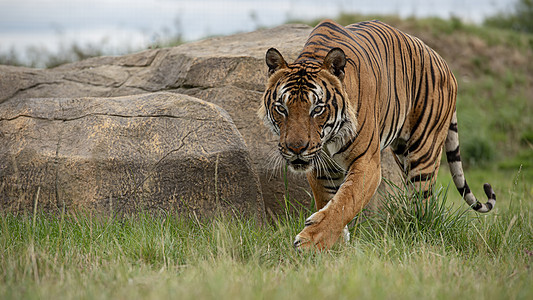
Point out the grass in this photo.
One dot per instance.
(447, 252)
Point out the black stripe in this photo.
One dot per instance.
(420, 122)
(332, 170)
(453, 155)
(424, 159)
(427, 194)
(421, 177)
(346, 145)
(464, 190)
(453, 127)
(332, 189)
(362, 153)
(329, 178)
(400, 146)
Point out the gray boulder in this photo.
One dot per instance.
(152, 151)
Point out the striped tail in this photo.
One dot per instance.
(456, 168)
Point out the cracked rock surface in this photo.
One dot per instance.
(228, 71)
(152, 151)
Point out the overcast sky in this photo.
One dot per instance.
(136, 24)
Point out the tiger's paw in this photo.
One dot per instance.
(321, 232)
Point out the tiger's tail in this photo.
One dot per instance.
(456, 168)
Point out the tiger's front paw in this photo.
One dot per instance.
(321, 231)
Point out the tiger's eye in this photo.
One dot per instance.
(318, 110)
(280, 109)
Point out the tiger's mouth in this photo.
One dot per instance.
(300, 164)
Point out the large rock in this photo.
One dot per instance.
(150, 151)
(228, 71)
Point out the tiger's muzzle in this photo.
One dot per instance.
(298, 156)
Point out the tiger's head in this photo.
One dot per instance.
(306, 105)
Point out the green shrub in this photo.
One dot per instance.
(527, 137)
(523, 159)
(520, 19)
(477, 151)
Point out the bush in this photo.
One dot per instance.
(520, 19)
(477, 151)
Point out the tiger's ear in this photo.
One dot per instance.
(274, 61)
(334, 62)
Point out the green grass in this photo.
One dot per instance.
(449, 251)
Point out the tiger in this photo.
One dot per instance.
(353, 92)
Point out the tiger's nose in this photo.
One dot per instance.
(297, 147)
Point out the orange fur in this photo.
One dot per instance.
(352, 92)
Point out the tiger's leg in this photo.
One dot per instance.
(422, 177)
(324, 227)
(421, 154)
(325, 183)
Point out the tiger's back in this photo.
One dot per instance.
(393, 78)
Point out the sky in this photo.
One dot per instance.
(123, 25)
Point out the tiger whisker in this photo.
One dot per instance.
(274, 164)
